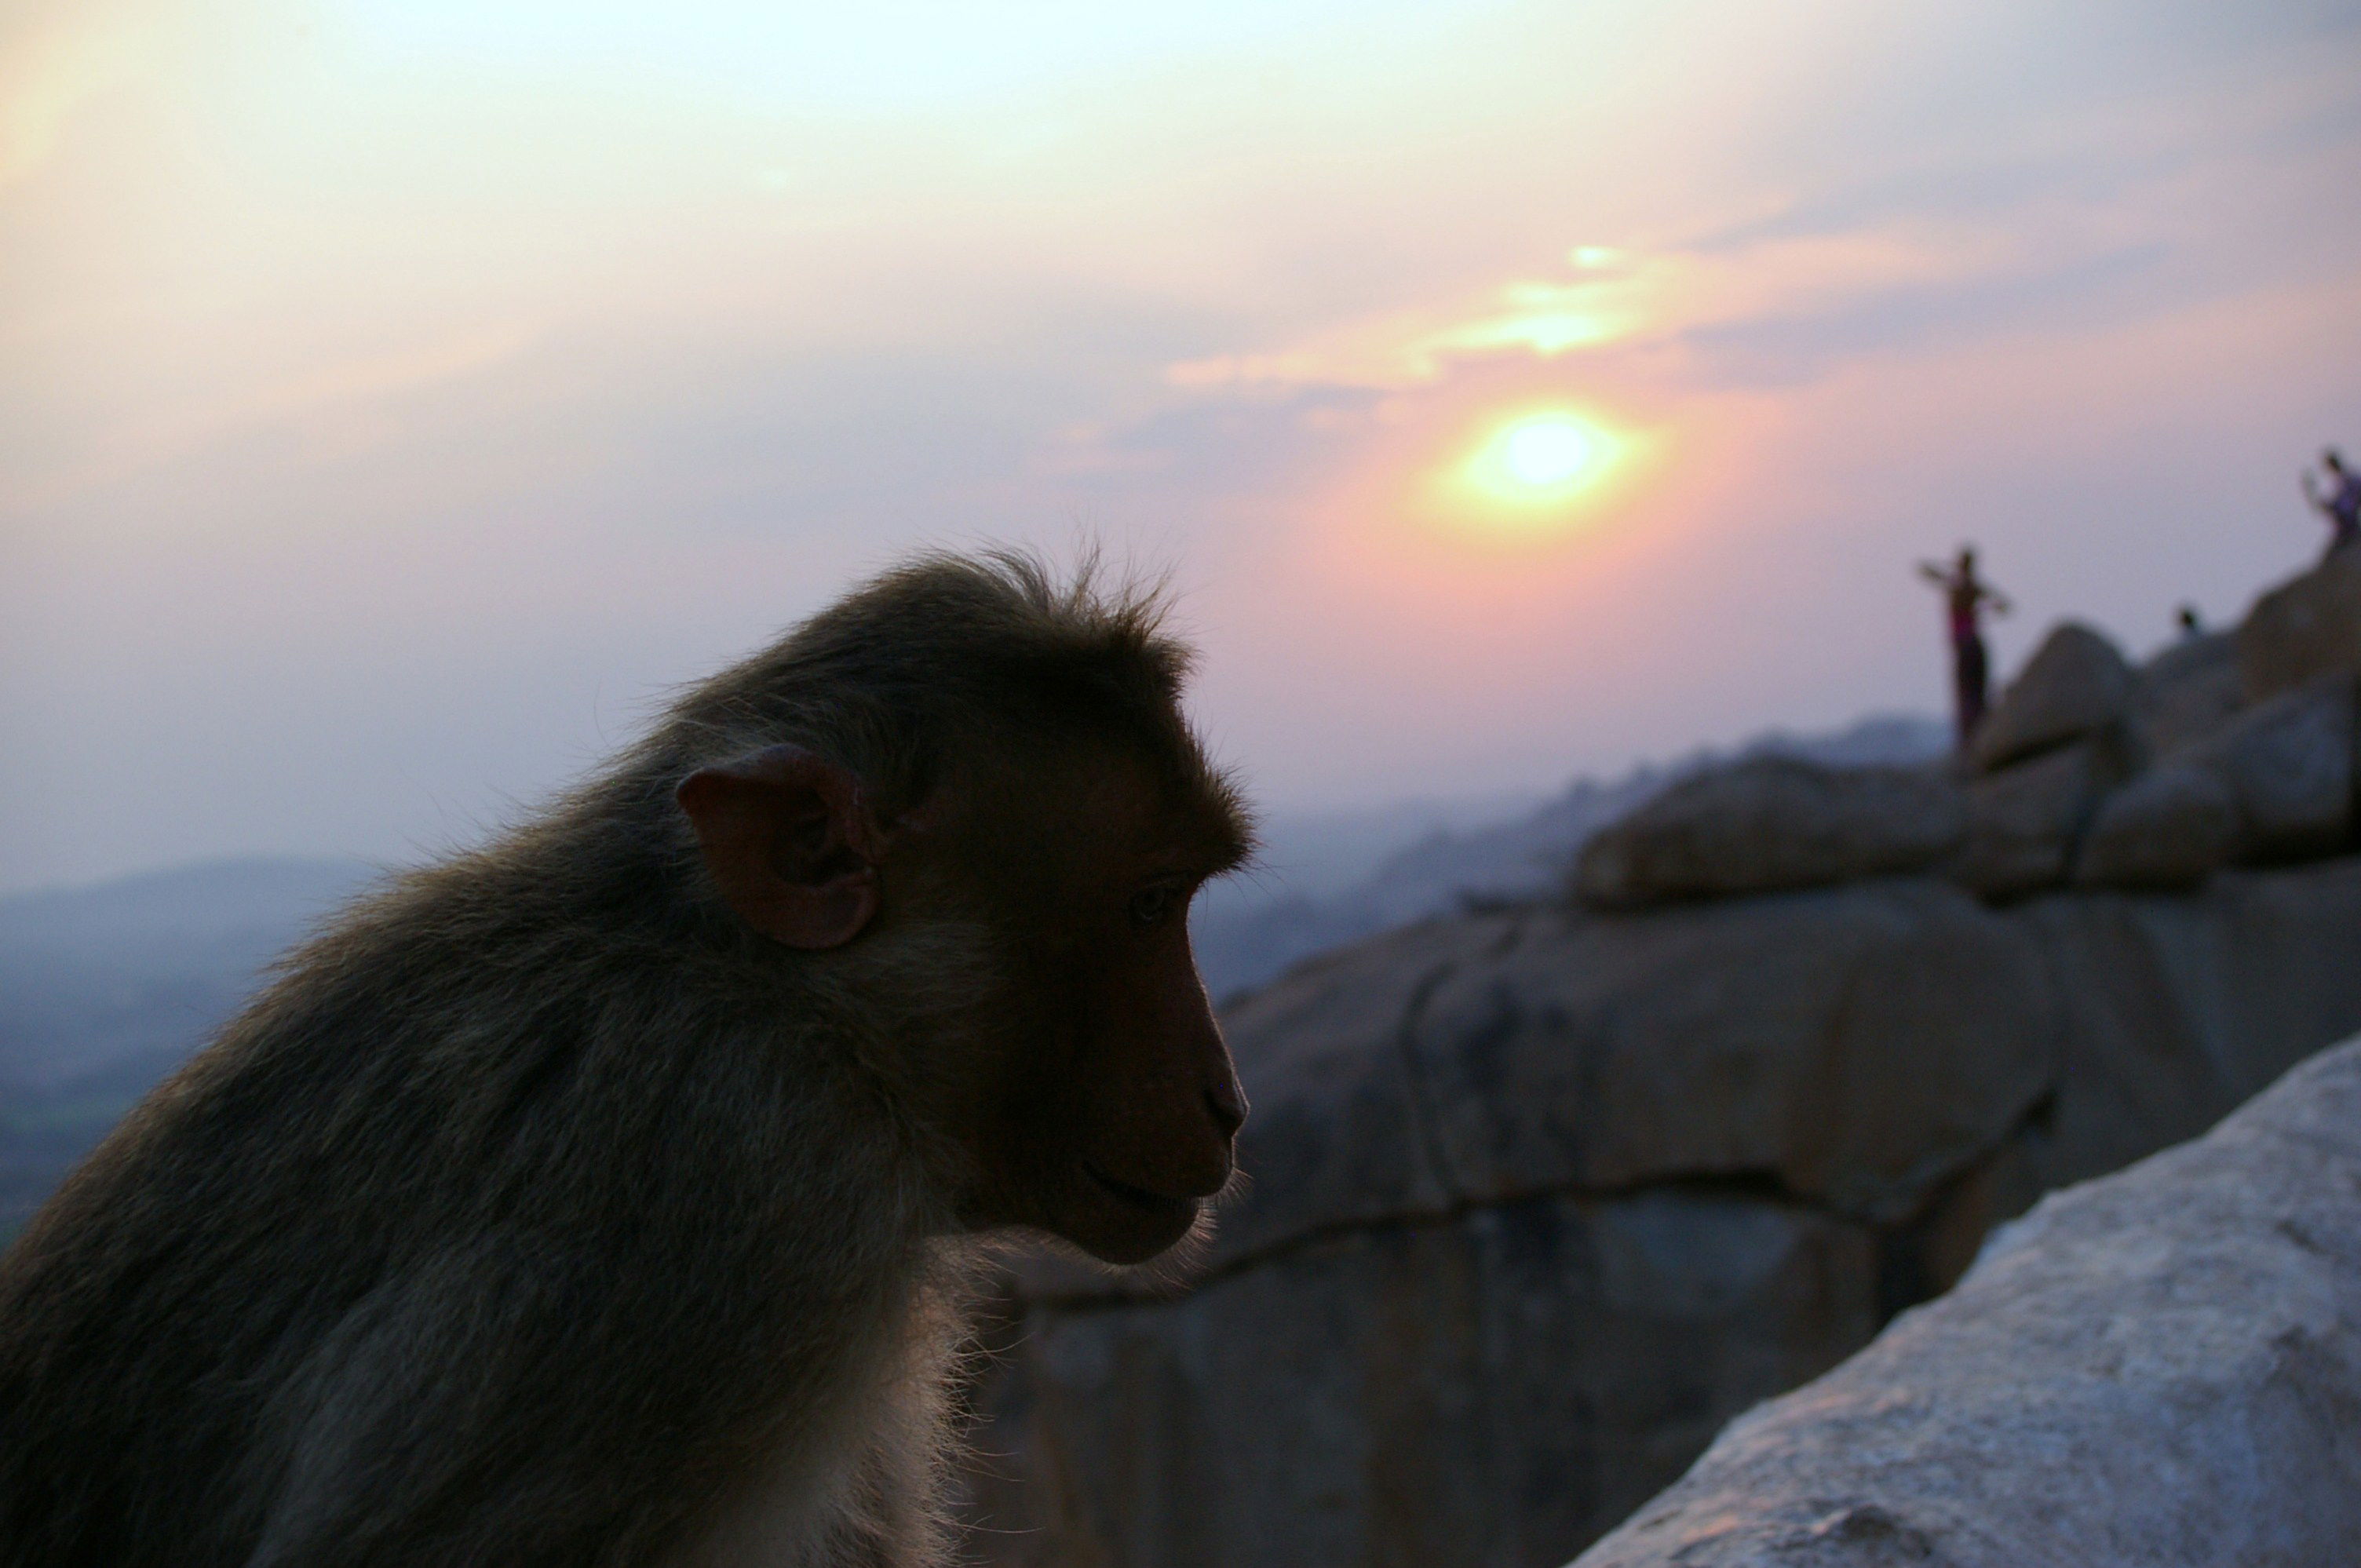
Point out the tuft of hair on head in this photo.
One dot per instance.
(946, 654)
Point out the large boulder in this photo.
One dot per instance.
(2187, 691)
(2162, 1367)
(2305, 629)
(1855, 1047)
(2288, 763)
(1769, 824)
(2025, 821)
(2075, 684)
(2172, 826)
(1536, 1200)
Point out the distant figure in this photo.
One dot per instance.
(2340, 503)
(1966, 597)
(2190, 625)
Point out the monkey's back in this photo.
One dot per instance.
(380, 1151)
(209, 1243)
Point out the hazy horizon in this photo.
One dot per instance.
(402, 397)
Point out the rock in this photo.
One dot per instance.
(2023, 822)
(2305, 629)
(2158, 1368)
(2076, 683)
(2289, 763)
(2186, 692)
(1538, 1200)
(2173, 826)
(1767, 824)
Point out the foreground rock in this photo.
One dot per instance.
(2161, 1367)
(1770, 824)
(1540, 1199)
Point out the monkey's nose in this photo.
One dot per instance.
(1227, 1107)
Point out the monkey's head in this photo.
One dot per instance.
(1044, 831)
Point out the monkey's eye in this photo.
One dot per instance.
(1154, 906)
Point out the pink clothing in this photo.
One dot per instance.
(1965, 600)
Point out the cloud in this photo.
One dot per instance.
(1633, 299)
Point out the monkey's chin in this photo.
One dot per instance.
(1123, 1224)
(1137, 1245)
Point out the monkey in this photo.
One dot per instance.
(613, 1194)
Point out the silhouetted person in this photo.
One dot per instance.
(1966, 598)
(2340, 503)
(2190, 625)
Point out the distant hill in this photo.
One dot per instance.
(105, 990)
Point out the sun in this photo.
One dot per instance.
(1542, 459)
(1533, 475)
(1546, 451)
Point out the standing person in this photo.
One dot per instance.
(2341, 505)
(1965, 598)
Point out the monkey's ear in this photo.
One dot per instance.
(791, 843)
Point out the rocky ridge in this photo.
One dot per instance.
(2234, 749)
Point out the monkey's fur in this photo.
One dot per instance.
(546, 1212)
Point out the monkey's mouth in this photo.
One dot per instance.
(1140, 1198)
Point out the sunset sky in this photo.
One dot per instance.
(398, 396)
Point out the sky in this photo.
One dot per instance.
(399, 398)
